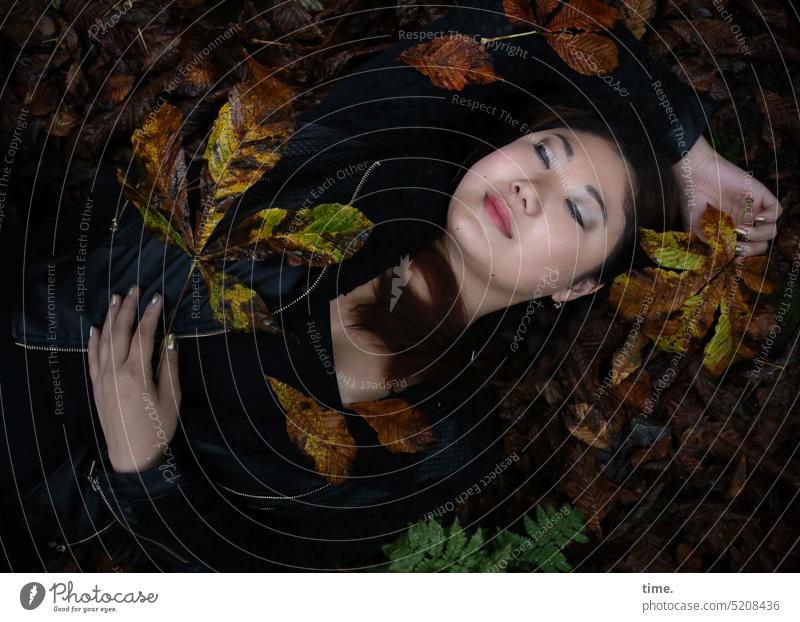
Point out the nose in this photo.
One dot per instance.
(526, 197)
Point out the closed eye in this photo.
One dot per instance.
(573, 211)
(541, 151)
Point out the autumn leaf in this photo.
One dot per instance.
(585, 15)
(318, 236)
(235, 305)
(587, 424)
(452, 62)
(587, 53)
(160, 184)
(680, 308)
(628, 358)
(318, 432)
(401, 428)
(520, 12)
(248, 135)
(636, 14)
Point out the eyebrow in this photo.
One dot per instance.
(589, 188)
(593, 191)
(567, 145)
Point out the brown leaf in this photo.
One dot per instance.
(320, 433)
(452, 62)
(589, 54)
(401, 428)
(636, 14)
(520, 13)
(586, 15)
(587, 424)
(628, 358)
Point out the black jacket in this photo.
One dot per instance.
(381, 136)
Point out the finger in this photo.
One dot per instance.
(168, 383)
(94, 353)
(760, 232)
(122, 327)
(142, 343)
(750, 248)
(105, 335)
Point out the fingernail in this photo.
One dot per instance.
(760, 219)
(155, 298)
(114, 299)
(741, 231)
(739, 250)
(131, 290)
(171, 341)
(91, 331)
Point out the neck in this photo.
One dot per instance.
(475, 294)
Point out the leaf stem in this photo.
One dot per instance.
(175, 313)
(484, 40)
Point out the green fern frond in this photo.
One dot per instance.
(427, 546)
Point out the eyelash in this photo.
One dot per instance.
(541, 151)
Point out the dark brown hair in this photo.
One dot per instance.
(428, 338)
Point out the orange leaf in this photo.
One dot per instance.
(401, 428)
(519, 12)
(586, 15)
(752, 274)
(589, 54)
(452, 62)
(318, 432)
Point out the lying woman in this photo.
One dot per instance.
(484, 216)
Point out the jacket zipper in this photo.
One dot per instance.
(61, 548)
(271, 497)
(221, 330)
(95, 483)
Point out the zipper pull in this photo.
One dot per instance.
(58, 547)
(93, 480)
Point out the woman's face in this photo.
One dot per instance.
(560, 194)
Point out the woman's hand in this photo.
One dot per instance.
(138, 415)
(715, 180)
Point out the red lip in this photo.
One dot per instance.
(498, 212)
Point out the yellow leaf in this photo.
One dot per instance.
(317, 236)
(161, 184)
(249, 134)
(674, 249)
(236, 306)
(318, 432)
